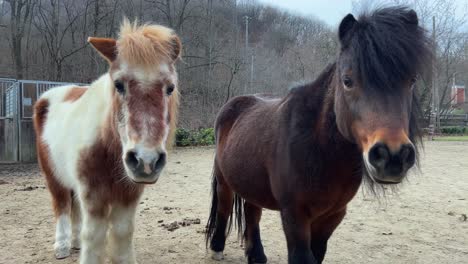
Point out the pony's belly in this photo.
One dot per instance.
(249, 180)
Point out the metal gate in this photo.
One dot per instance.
(17, 98)
(8, 120)
(30, 91)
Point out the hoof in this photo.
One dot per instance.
(62, 249)
(256, 256)
(61, 253)
(217, 255)
(256, 261)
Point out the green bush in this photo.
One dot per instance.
(454, 130)
(183, 137)
(200, 137)
(204, 137)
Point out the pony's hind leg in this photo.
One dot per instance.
(254, 248)
(76, 222)
(221, 208)
(61, 202)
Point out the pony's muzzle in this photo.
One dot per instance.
(391, 165)
(145, 168)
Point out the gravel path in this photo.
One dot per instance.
(425, 223)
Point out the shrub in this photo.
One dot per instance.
(454, 130)
(204, 137)
(183, 138)
(200, 137)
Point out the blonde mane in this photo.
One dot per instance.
(145, 45)
(173, 113)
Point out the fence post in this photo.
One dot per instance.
(19, 97)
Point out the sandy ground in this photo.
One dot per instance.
(424, 223)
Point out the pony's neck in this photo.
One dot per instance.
(101, 104)
(323, 90)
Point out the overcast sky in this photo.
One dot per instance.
(332, 11)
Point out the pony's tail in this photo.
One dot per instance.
(238, 210)
(211, 224)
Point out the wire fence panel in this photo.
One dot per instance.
(17, 98)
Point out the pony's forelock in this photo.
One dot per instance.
(145, 45)
(388, 47)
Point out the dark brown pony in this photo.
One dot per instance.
(307, 153)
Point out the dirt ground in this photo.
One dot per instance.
(425, 223)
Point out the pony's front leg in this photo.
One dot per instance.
(93, 232)
(296, 227)
(122, 219)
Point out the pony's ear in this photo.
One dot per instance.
(345, 27)
(107, 47)
(176, 46)
(411, 17)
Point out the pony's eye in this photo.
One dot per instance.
(170, 88)
(413, 80)
(348, 82)
(119, 86)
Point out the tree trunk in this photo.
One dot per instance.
(20, 13)
(17, 54)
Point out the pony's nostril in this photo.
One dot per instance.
(408, 155)
(160, 162)
(379, 156)
(132, 160)
(382, 153)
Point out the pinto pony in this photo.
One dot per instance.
(98, 146)
(307, 153)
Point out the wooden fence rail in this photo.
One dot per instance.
(449, 120)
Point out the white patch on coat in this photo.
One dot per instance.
(93, 239)
(122, 225)
(63, 235)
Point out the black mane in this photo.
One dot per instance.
(388, 46)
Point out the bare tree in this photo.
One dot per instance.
(287, 48)
(176, 12)
(59, 30)
(21, 12)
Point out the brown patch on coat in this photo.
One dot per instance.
(41, 108)
(74, 94)
(147, 109)
(61, 196)
(101, 171)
